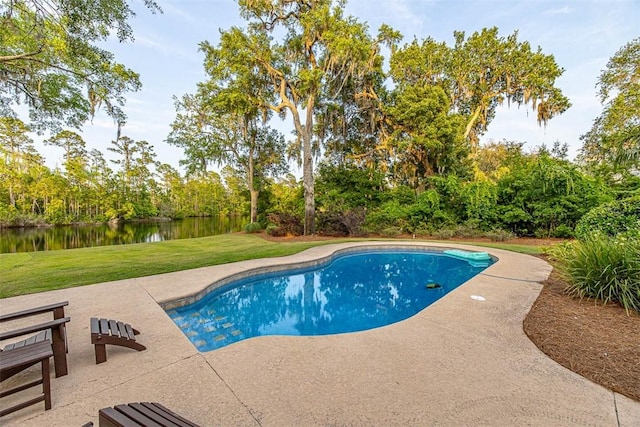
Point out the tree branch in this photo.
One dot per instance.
(28, 55)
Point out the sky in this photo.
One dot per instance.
(582, 35)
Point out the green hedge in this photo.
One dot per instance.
(611, 219)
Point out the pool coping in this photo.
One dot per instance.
(458, 362)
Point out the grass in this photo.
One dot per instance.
(523, 249)
(31, 272)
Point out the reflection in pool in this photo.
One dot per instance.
(354, 292)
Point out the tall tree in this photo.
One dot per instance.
(425, 138)
(50, 59)
(213, 130)
(481, 72)
(76, 163)
(319, 51)
(18, 155)
(613, 143)
(72, 144)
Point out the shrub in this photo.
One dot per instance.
(604, 268)
(390, 214)
(55, 212)
(422, 231)
(274, 230)
(331, 224)
(341, 223)
(8, 213)
(499, 235)
(391, 232)
(253, 227)
(444, 233)
(468, 230)
(611, 219)
(562, 231)
(288, 224)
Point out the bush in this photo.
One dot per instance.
(468, 230)
(340, 224)
(391, 232)
(604, 268)
(422, 231)
(390, 214)
(331, 224)
(611, 219)
(274, 230)
(563, 232)
(287, 223)
(253, 227)
(8, 213)
(56, 212)
(444, 233)
(499, 235)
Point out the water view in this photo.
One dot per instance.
(32, 239)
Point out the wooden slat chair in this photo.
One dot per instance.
(149, 414)
(53, 331)
(20, 358)
(105, 331)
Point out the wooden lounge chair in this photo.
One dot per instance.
(104, 331)
(20, 358)
(140, 414)
(53, 331)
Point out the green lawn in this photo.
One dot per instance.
(31, 272)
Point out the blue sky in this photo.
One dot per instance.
(582, 35)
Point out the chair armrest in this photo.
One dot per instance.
(33, 311)
(34, 328)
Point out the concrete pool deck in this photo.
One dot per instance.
(459, 362)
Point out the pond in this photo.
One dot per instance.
(32, 239)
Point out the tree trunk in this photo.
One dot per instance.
(254, 204)
(253, 192)
(307, 171)
(306, 132)
(308, 184)
(472, 121)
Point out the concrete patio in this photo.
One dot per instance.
(460, 362)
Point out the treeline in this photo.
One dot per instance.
(385, 144)
(504, 191)
(89, 189)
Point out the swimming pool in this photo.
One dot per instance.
(352, 292)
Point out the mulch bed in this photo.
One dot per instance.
(599, 342)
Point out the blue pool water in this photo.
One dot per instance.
(354, 292)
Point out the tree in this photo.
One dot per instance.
(76, 165)
(481, 72)
(425, 139)
(103, 186)
(49, 59)
(72, 144)
(320, 50)
(18, 155)
(544, 195)
(212, 130)
(134, 160)
(613, 143)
